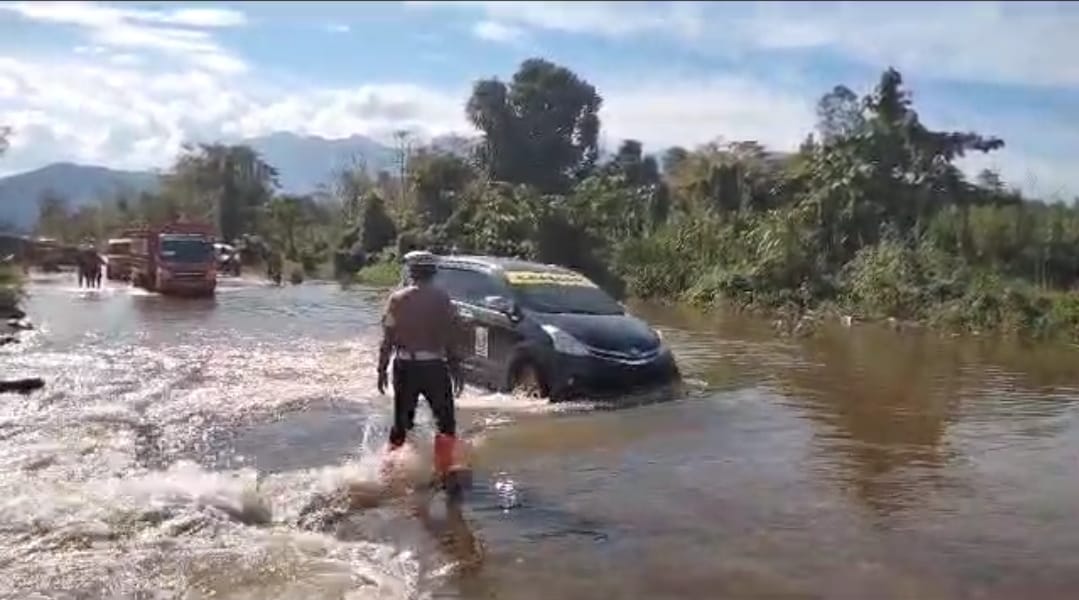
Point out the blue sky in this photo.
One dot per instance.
(125, 84)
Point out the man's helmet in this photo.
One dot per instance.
(420, 262)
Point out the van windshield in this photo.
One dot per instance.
(119, 248)
(186, 249)
(563, 298)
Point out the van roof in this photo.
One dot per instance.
(496, 263)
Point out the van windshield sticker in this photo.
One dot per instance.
(538, 278)
(481, 342)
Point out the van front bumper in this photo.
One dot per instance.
(569, 376)
(187, 287)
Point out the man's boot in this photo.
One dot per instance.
(451, 468)
(444, 446)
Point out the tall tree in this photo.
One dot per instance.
(53, 215)
(839, 114)
(376, 228)
(632, 164)
(286, 215)
(350, 183)
(895, 172)
(225, 183)
(437, 179)
(541, 130)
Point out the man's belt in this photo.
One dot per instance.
(418, 355)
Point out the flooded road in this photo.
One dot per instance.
(184, 449)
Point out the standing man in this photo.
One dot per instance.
(418, 329)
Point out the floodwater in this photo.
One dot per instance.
(201, 449)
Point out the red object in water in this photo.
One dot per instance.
(444, 447)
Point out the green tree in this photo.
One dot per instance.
(496, 218)
(350, 183)
(633, 165)
(673, 159)
(894, 172)
(437, 179)
(839, 114)
(287, 214)
(541, 130)
(53, 215)
(726, 178)
(226, 184)
(376, 228)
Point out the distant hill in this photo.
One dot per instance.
(80, 184)
(303, 163)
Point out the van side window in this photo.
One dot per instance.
(467, 286)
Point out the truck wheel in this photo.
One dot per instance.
(528, 381)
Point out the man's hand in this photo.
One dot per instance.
(382, 381)
(457, 376)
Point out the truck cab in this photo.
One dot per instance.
(118, 259)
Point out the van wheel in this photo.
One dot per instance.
(527, 380)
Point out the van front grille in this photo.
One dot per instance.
(641, 356)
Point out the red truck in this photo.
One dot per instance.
(177, 258)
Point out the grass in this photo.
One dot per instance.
(380, 274)
(10, 289)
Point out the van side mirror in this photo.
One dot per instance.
(503, 305)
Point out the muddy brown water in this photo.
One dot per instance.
(193, 449)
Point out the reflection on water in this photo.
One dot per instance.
(230, 447)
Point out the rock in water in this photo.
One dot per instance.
(20, 324)
(13, 314)
(22, 386)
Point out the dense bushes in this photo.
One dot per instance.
(872, 220)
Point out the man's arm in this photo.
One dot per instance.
(453, 334)
(453, 347)
(389, 322)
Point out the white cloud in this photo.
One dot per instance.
(1013, 43)
(689, 113)
(205, 17)
(612, 19)
(1049, 178)
(125, 60)
(494, 31)
(137, 116)
(93, 14)
(180, 33)
(338, 28)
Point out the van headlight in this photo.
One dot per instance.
(565, 343)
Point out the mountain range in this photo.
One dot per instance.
(303, 164)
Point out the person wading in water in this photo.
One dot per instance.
(418, 329)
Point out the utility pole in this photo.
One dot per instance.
(401, 135)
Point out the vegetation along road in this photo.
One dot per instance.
(870, 218)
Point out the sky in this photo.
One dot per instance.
(126, 84)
